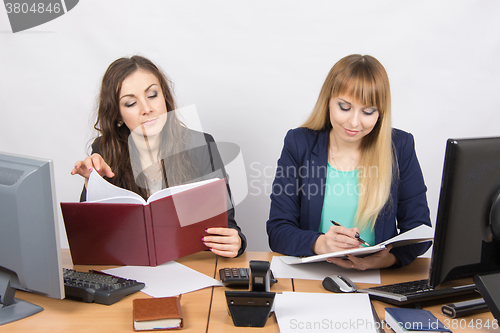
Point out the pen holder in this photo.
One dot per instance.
(252, 308)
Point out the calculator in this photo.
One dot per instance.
(238, 277)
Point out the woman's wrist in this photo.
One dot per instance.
(319, 246)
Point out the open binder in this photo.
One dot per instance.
(422, 233)
(123, 230)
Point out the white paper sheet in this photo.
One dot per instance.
(100, 190)
(419, 234)
(169, 279)
(318, 312)
(320, 270)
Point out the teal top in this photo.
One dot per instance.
(341, 202)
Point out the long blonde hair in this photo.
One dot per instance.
(364, 79)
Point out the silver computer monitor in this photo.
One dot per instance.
(29, 239)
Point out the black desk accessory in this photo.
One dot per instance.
(465, 308)
(411, 292)
(238, 277)
(379, 327)
(489, 288)
(252, 308)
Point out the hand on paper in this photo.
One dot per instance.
(94, 161)
(380, 259)
(224, 242)
(337, 238)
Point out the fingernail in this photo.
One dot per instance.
(97, 170)
(203, 239)
(90, 169)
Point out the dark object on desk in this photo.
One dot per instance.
(465, 308)
(154, 314)
(252, 308)
(249, 308)
(98, 287)
(489, 287)
(378, 324)
(238, 277)
(468, 212)
(414, 291)
(413, 320)
(494, 223)
(339, 284)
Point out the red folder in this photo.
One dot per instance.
(144, 234)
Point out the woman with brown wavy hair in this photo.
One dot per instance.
(347, 164)
(143, 147)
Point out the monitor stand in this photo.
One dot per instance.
(490, 290)
(13, 309)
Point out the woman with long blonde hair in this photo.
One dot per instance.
(346, 177)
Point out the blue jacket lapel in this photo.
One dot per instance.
(319, 160)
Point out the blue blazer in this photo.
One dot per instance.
(298, 193)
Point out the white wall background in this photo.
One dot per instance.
(254, 70)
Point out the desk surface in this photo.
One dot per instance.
(204, 310)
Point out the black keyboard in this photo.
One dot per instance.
(98, 287)
(414, 291)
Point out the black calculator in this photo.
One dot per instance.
(238, 277)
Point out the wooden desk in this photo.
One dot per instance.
(204, 310)
(72, 316)
(415, 271)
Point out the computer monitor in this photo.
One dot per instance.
(469, 207)
(29, 242)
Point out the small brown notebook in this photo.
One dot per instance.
(152, 314)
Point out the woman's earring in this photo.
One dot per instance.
(119, 123)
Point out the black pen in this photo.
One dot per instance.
(359, 238)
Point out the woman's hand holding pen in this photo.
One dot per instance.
(94, 161)
(337, 238)
(340, 238)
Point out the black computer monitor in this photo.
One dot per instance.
(29, 242)
(464, 244)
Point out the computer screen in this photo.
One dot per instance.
(29, 241)
(463, 243)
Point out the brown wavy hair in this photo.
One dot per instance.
(113, 141)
